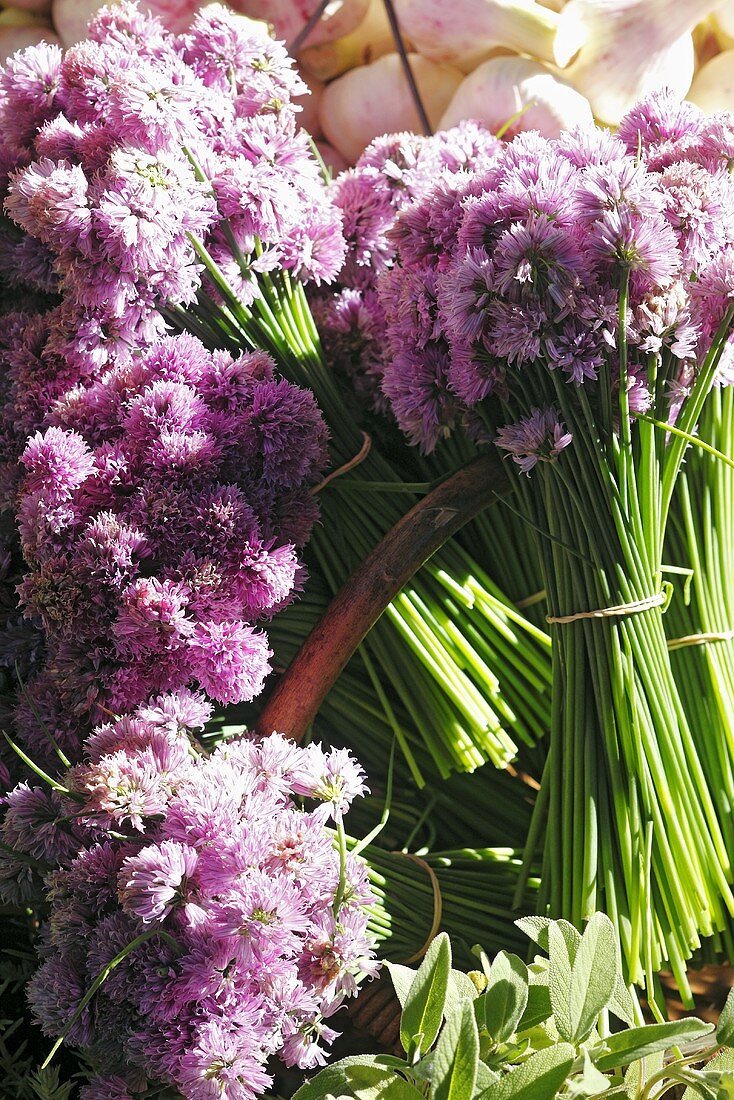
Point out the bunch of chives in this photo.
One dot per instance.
(467, 668)
(631, 826)
(500, 539)
(700, 620)
(475, 886)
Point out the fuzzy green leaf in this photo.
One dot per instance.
(538, 1008)
(361, 1077)
(506, 996)
(423, 1009)
(590, 1082)
(640, 1042)
(622, 1003)
(456, 1056)
(560, 978)
(402, 979)
(460, 988)
(725, 1026)
(538, 929)
(485, 1078)
(593, 977)
(539, 1078)
(722, 1064)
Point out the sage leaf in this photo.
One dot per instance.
(506, 996)
(460, 988)
(424, 1005)
(361, 1077)
(539, 1078)
(485, 1078)
(456, 1056)
(537, 928)
(538, 1008)
(725, 1027)
(593, 977)
(721, 1066)
(401, 978)
(640, 1042)
(560, 977)
(590, 1082)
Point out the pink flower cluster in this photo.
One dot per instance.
(160, 516)
(393, 174)
(226, 887)
(115, 154)
(533, 247)
(114, 157)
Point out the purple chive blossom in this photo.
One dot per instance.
(106, 1088)
(539, 437)
(387, 204)
(233, 886)
(334, 778)
(155, 519)
(536, 240)
(665, 129)
(150, 884)
(96, 177)
(224, 1062)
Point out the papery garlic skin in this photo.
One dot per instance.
(724, 22)
(713, 85)
(18, 35)
(375, 99)
(308, 116)
(618, 51)
(500, 88)
(288, 17)
(465, 32)
(371, 39)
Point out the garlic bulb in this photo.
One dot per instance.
(619, 50)
(500, 88)
(465, 32)
(713, 85)
(375, 99)
(371, 39)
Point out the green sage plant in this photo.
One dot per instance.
(564, 1025)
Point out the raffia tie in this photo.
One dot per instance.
(437, 905)
(360, 456)
(619, 610)
(700, 639)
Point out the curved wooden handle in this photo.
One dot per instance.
(375, 582)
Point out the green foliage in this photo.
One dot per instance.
(564, 1026)
(506, 997)
(18, 1079)
(423, 1008)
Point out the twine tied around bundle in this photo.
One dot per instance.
(700, 639)
(620, 610)
(437, 905)
(360, 456)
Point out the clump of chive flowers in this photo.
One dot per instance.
(585, 295)
(161, 514)
(118, 160)
(118, 154)
(238, 927)
(533, 249)
(394, 172)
